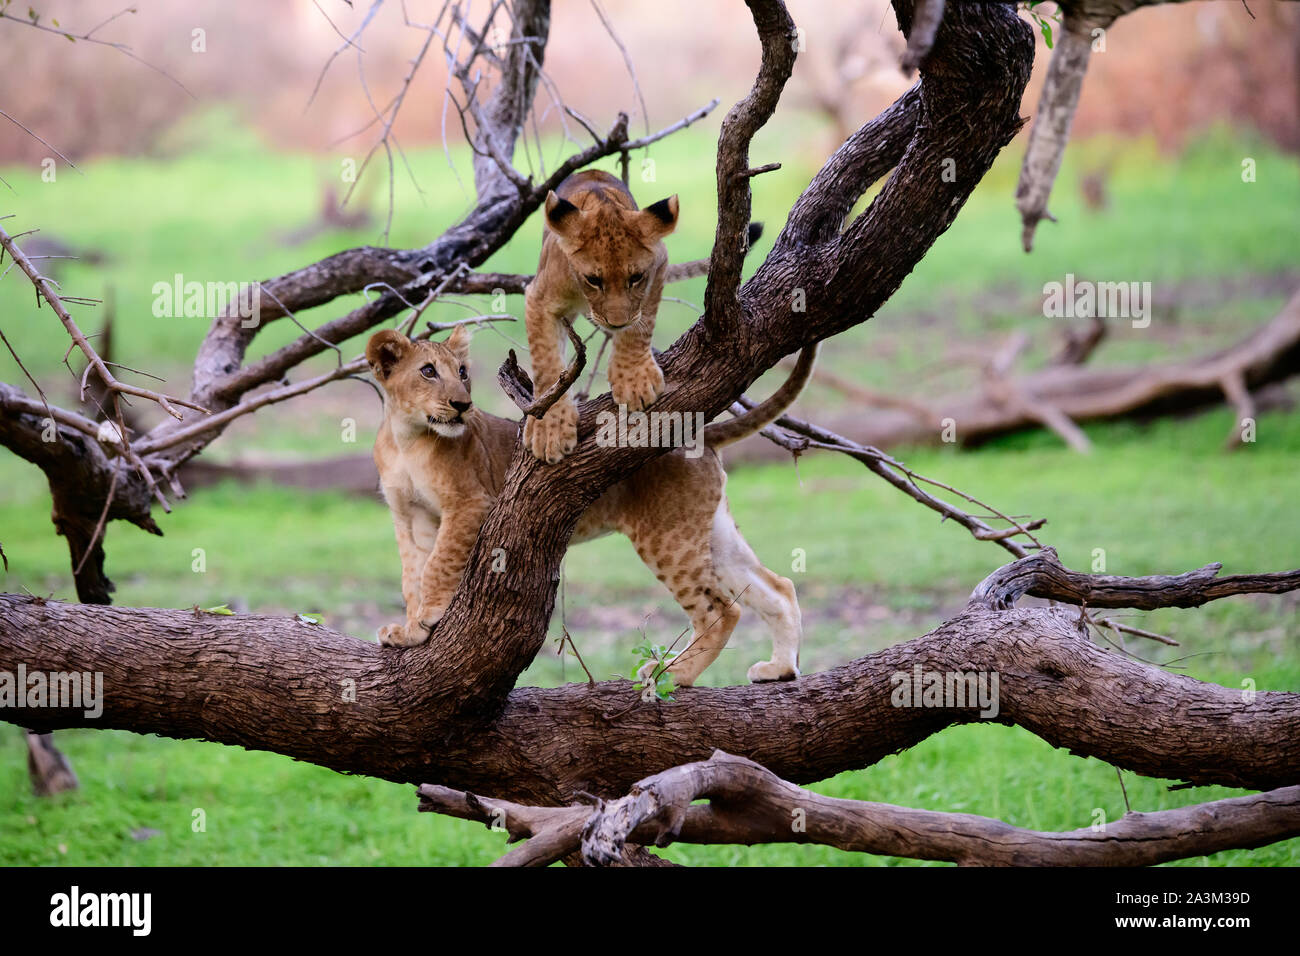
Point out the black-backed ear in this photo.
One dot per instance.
(384, 350)
(561, 215)
(660, 218)
(458, 343)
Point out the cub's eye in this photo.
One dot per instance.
(635, 278)
(462, 372)
(429, 371)
(596, 282)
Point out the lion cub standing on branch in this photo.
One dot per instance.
(442, 464)
(603, 256)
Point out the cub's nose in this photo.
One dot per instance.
(461, 406)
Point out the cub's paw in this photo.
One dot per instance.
(636, 386)
(556, 434)
(765, 671)
(429, 615)
(403, 635)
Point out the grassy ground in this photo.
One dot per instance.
(1159, 498)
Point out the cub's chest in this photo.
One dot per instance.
(406, 489)
(427, 499)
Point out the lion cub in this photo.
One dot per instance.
(442, 463)
(603, 256)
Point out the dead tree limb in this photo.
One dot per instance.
(748, 804)
(517, 384)
(1042, 575)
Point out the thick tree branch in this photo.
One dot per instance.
(302, 690)
(871, 152)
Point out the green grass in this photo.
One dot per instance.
(1157, 498)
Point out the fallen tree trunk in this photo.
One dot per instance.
(1082, 393)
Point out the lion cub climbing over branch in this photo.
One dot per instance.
(603, 256)
(442, 463)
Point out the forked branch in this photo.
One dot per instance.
(517, 384)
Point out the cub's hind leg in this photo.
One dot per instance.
(684, 565)
(771, 596)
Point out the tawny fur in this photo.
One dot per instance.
(602, 256)
(442, 464)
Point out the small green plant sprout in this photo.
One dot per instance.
(659, 681)
(1044, 22)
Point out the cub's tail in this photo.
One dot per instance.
(720, 434)
(678, 271)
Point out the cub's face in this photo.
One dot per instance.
(427, 383)
(614, 253)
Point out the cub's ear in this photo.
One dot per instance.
(561, 215)
(458, 343)
(659, 219)
(384, 350)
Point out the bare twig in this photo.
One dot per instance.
(348, 41)
(88, 36)
(1128, 629)
(46, 292)
(627, 61)
(797, 436)
(519, 387)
